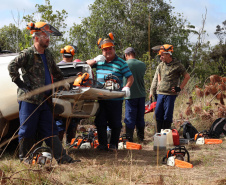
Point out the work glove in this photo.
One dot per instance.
(22, 85)
(177, 89)
(67, 86)
(99, 58)
(127, 90)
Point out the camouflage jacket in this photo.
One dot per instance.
(33, 71)
(170, 76)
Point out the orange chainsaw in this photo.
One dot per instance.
(177, 156)
(203, 138)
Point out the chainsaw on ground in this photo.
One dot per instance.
(124, 143)
(87, 140)
(42, 156)
(177, 156)
(203, 138)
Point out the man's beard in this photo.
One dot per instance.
(44, 45)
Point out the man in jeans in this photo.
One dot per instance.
(38, 69)
(169, 72)
(135, 103)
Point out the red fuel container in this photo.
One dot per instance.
(176, 140)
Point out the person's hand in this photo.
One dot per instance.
(176, 89)
(22, 85)
(127, 90)
(67, 86)
(150, 96)
(99, 58)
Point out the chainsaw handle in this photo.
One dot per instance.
(164, 161)
(150, 100)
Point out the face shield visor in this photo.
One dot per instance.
(50, 30)
(43, 27)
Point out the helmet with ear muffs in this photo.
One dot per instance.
(107, 42)
(68, 51)
(166, 48)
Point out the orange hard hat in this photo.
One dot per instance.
(166, 48)
(107, 42)
(68, 51)
(43, 27)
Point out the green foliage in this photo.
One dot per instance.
(141, 24)
(11, 38)
(129, 21)
(218, 55)
(221, 33)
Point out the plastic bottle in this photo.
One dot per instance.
(160, 141)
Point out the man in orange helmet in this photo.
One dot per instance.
(110, 111)
(68, 53)
(38, 68)
(169, 72)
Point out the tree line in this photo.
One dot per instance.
(141, 24)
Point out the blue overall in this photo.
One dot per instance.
(34, 121)
(134, 115)
(164, 107)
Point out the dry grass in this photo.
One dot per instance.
(128, 166)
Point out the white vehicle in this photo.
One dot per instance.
(80, 102)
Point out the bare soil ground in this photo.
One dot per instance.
(127, 166)
(123, 167)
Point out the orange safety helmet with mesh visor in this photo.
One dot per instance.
(107, 42)
(68, 51)
(166, 48)
(43, 27)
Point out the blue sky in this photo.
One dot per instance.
(193, 11)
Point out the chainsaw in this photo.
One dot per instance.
(112, 83)
(203, 138)
(179, 152)
(87, 140)
(124, 143)
(177, 156)
(83, 80)
(42, 156)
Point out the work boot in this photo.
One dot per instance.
(102, 138)
(115, 133)
(129, 134)
(159, 126)
(59, 152)
(140, 133)
(61, 135)
(167, 124)
(25, 146)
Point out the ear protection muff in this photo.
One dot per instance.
(72, 51)
(62, 50)
(31, 26)
(111, 36)
(99, 42)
